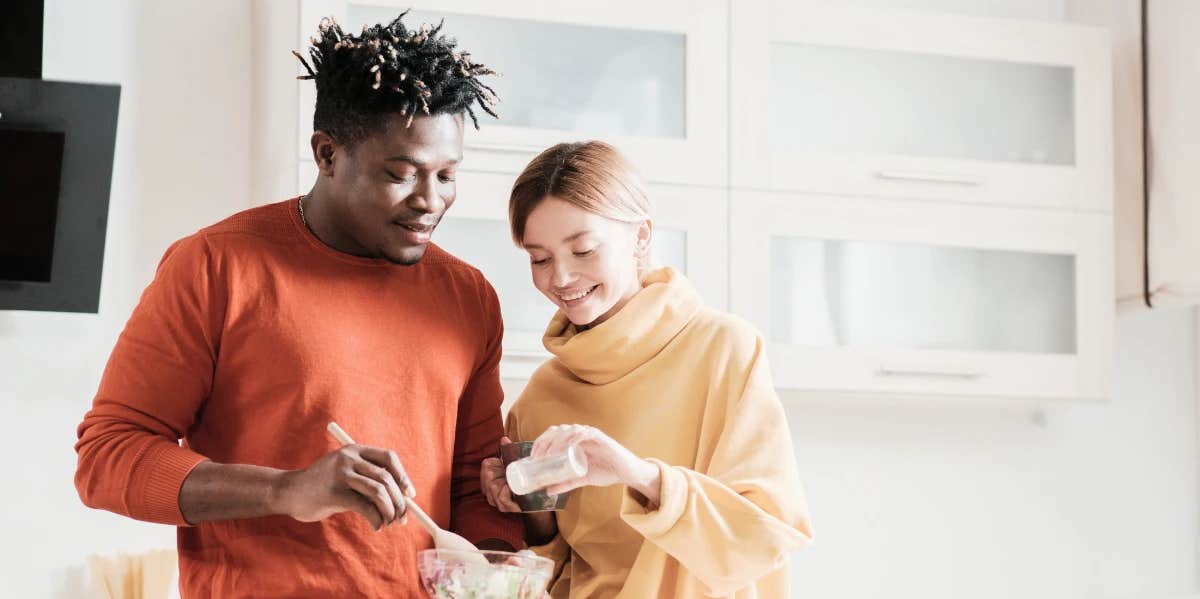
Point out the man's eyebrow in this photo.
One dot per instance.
(417, 163)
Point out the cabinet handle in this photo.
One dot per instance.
(936, 373)
(501, 147)
(949, 179)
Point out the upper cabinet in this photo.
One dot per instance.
(650, 78)
(925, 299)
(856, 100)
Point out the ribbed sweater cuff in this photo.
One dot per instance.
(158, 475)
(673, 494)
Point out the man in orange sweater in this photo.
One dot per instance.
(258, 331)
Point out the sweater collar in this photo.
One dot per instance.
(629, 338)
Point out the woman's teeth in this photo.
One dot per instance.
(577, 295)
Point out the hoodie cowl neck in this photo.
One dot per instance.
(632, 336)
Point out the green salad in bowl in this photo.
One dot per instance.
(456, 575)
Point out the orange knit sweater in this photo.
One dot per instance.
(251, 338)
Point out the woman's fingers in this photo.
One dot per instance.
(574, 436)
(566, 487)
(556, 439)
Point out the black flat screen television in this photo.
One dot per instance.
(30, 165)
(56, 155)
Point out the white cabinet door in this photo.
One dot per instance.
(648, 77)
(925, 298)
(937, 107)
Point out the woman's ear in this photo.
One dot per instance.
(645, 233)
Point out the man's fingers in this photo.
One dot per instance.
(384, 477)
(365, 508)
(495, 491)
(374, 492)
(490, 472)
(506, 501)
(388, 459)
(492, 466)
(355, 502)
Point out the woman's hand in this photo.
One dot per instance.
(609, 462)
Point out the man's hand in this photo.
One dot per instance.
(366, 480)
(494, 485)
(540, 527)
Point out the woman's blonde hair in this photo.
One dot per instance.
(591, 175)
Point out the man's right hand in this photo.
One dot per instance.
(366, 480)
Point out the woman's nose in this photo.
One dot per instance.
(562, 274)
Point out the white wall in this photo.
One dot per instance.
(933, 502)
(181, 162)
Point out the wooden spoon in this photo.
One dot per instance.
(442, 539)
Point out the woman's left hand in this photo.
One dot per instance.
(609, 462)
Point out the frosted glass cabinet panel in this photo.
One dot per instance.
(892, 296)
(487, 245)
(638, 75)
(985, 109)
(669, 247)
(835, 98)
(848, 293)
(647, 66)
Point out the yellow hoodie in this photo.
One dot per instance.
(687, 387)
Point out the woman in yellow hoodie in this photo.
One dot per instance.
(691, 487)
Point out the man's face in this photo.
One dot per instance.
(392, 188)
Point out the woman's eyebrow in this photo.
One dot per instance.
(567, 239)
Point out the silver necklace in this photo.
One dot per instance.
(304, 220)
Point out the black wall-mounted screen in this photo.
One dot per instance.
(56, 155)
(21, 38)
(30, 165)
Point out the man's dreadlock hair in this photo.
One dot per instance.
(362, 80)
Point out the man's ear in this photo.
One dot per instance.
(325, 150)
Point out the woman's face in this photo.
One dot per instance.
(586, 264)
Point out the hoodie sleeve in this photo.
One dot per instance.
(738, 520)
